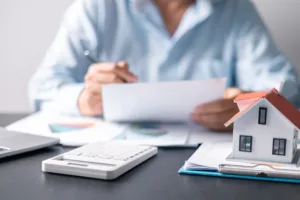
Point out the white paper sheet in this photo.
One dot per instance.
(164, 101)
(176, 135)
(103, 131)
(179, 135)
(38, 124)
(211, 154)
(33, 124)
(199, 136)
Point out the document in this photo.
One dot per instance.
(100, 133)
(199, 134)
(39, 123)
(210, 155)
(97, 129)
(156, 134)
(163, 101)
(170, 135)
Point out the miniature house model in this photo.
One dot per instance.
(265, 128)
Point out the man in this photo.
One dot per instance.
(158, 40)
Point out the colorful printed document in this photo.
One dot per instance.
(66, 127)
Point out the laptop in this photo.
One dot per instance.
(13, 143)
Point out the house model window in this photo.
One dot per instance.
(245, 143)
(262, 116)
(279, 146)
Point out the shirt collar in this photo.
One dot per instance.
(197, 13)
(203, 8)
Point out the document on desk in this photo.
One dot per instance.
(163, 101)
(210, 155)
(216, 160)
(175, 135)
(39, 124)
(199, 134)
(163, 134)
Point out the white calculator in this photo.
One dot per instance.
(100, 160)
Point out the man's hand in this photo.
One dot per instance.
(213, 115)
(90, 99)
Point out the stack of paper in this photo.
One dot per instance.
(209, 156)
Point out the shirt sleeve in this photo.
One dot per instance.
(58, 81)
(260, 65)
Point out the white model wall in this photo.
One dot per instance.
(262, 141)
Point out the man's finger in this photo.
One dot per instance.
(102, 67)
(217, 106)
(231, 93)
(123, 65)
(125, 75)
(213, 121)
(219, 118)
(214, 126)
(122, 72)
(105, 78)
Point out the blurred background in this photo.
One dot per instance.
(28, 27)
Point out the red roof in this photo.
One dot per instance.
(286, 108)
(240, 113)
(278, 101)
(251, 95)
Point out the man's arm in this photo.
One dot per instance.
(59, 80)
(260, 64)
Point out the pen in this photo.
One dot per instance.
(90, 57)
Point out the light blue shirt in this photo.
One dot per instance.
(215, 38)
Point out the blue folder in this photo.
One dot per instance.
(218, 174)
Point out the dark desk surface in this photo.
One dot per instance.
(21, 178)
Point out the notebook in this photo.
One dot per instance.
(214, 159)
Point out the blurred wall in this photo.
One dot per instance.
(28, 27)
(283, 18)
(26, 30)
